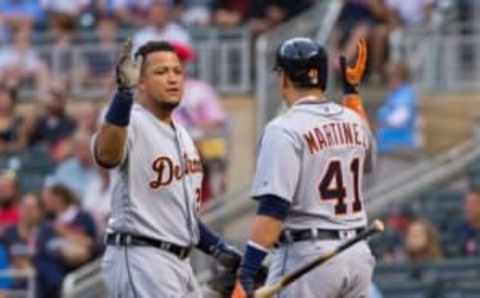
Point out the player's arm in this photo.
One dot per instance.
(226, 255)
(273, 187)
(109, 144)
(352, 77)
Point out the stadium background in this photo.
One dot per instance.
(421, 93)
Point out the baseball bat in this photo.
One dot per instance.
(268, 291)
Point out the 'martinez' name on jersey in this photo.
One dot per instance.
(336, 134)
(313, 156)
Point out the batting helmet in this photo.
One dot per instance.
(298, 56)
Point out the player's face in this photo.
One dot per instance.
(163, 78)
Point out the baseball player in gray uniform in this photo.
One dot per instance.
(308, 182)
(157, 175)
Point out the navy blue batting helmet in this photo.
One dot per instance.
(298, 56)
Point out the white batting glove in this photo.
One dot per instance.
(128, 69)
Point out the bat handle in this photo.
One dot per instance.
(268, 291)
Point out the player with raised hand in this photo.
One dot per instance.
(157, 174)
(308, 181)
(352, 77)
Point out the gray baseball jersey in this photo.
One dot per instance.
(314, 157)
(156, 191)
(156, 188)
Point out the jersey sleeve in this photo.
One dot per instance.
(278, 164)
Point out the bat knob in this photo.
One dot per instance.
(378, 225)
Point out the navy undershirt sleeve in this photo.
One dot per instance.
(273, 206)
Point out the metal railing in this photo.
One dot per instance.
(316, 23)
(444, 54)
(403, 187)
(223, 59)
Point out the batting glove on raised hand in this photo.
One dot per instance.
(128, 69)
(352, 76)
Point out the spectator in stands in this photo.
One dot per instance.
(467, 235)
(65, 241)
(63, 28)
(202, 113)
(13, 128)
(362, 19)
(20, 13)
(405, 15)
(9, 192)
(161, 27)
(79, 170)
(267, 14)
(55, 126)
(228, 13)
(87, 116)
(397, 123)
(422, 242)
(129, 12)
(101, 60)
(21, 64)
(193, 12)
(19, 239)
(65, 7)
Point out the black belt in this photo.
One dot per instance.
(291, 235)
(122, 239)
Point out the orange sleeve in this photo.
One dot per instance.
(354, 102)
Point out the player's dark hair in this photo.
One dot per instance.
(152, 47)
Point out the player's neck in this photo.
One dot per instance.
(311, 95)
(162, 114)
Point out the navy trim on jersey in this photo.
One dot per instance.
(273, 206)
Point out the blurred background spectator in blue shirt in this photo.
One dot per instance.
(397, 123)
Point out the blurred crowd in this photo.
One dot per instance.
(417, 236)
(62, 24)
(383, 23)
(55, 226)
